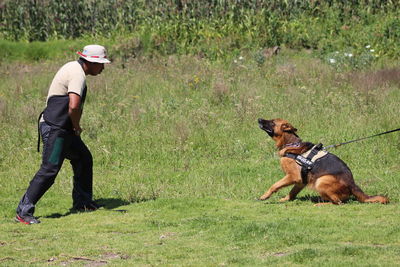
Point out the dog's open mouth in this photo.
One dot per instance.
(265, 126)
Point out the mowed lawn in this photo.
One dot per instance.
(179, 162)
(209, 232)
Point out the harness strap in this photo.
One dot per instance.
(314, 151)
(304, 172)
(305, 161)
(38, 140)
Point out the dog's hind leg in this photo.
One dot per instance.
(331, 189)
(377, 199)
(362, 197)
(332, 198)
(293, 193)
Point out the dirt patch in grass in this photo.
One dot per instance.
(368, 81)
(72, 260)
(280, 254)
(104, 259)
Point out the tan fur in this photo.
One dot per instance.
(333, 188)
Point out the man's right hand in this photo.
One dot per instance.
(78, 131)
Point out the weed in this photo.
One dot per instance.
(350, 60)
(221, 91)
(3, 109)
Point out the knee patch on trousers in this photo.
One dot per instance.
(56, 151)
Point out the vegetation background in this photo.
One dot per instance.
(172, 124)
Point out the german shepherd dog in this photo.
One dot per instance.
(330, 176)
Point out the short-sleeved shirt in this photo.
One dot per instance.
(69, 79)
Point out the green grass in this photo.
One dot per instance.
(179, 160)
(209, 232)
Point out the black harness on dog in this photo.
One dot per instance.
(307, 162)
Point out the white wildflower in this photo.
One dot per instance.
(241, 58)
(332, 60)
(368, 46)
(372, 50)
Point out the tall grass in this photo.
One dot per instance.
(186, 127)
(179, 159)
(177, 139)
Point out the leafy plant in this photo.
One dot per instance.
(208, 28)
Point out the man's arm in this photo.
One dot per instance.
(75, 112)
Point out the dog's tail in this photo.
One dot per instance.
(362, 197)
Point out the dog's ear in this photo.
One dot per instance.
(287, 127)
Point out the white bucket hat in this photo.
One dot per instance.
(94, 53)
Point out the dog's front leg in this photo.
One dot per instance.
(292, 171)
(293, 193)
(285, 181)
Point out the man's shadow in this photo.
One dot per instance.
(112, 203)
(104, 203)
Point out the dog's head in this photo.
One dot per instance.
(280, 130)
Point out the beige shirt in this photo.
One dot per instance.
(69, 79)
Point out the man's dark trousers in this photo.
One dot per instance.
(60, 144)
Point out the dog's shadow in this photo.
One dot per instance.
(311, 198)
(105, 203)
(317, 199)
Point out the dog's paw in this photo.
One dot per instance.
(263, 197)
(284, 199)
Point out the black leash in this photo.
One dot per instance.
(356, 140)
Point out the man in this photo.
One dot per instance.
(60, 129)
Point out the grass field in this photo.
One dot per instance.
(208, 232)
(179, 161)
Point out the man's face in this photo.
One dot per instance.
(95, 68)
